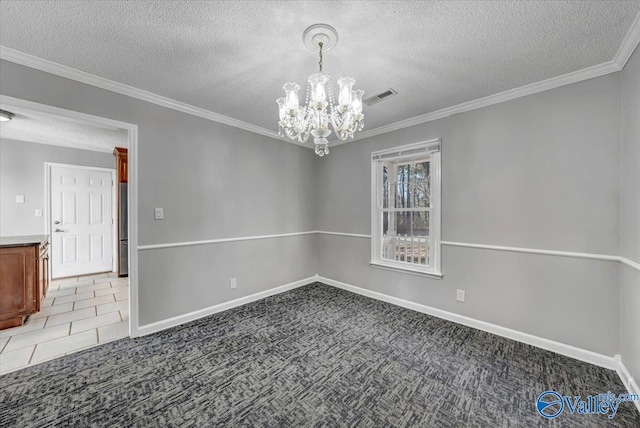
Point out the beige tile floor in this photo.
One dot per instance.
(77, 313)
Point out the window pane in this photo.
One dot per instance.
(410, 249)
(389, 223)
(396, 223)
(403, 223)
(416, 249)
(405, 237)
(385, 186)
(420, 185)
(420, 224)
(406, 185)
(403, 195)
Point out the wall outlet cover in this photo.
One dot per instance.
(460, 295)
(38, 213)
(158, 213)
(233, 283)
(19, 199)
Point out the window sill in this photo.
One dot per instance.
(408, 270)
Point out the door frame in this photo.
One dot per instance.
(114, 207)
(6, 102)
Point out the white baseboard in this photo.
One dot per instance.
(612, 363)
(626, 378)
(539, 342)
(144, 330)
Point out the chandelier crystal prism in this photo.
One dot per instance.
(320, 110)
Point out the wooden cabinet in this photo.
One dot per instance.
(24, 278)
(121, 164)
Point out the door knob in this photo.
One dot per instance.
(58, 230)
(56, 222)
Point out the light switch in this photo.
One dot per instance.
(159, 213)
(19, 199)
(38, 213)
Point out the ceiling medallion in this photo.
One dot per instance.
(298, 122)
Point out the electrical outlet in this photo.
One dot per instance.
(159, 213)
(234, 283)
(460, 295)
(19, 199)
(38, 213)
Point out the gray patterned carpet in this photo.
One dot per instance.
(316, 356)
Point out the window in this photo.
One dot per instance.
(405, 223)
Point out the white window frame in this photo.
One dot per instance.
(408, 152)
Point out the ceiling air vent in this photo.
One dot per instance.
(381, 96)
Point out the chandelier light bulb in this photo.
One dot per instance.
(346, 85)
(318, 93)
(356, 104)
(281, 108)
(321, 111)
(291, 95)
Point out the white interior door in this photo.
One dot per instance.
(81, 221)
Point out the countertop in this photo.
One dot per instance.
(22, 241)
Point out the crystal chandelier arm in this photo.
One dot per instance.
(303, 135)
(346, 125)
(300, 136)
(337, 126)
(320, 114)
(343, 124)
(303, 130)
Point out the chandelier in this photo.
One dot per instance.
(320, 109)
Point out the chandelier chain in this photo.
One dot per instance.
(320, 62)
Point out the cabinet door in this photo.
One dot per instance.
(18, 281)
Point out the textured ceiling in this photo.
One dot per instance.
(232, 58)
(42, 128)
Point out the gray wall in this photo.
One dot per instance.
(257, 265)
(630, 217)
(540, 172)
(22, 173)
(213, 181)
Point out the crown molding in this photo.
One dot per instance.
(511, 94)
(41, 64)
(628, 45)
(625, 51)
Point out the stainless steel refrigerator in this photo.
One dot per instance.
(123, 233)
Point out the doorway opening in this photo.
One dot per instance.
(84, 268)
